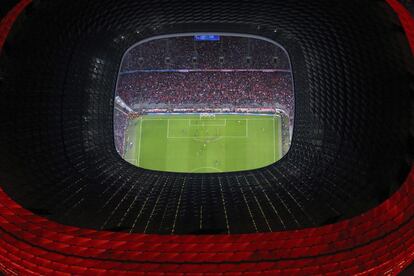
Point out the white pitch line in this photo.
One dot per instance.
(125, 147)
(177, 119)
(280, 137)
(168, 128)
(214, 125)
(139, 142)
(274, 141)
(205, 137)
(209, 125)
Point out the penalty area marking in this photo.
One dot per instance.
(225, 120)
(208, 120)
(168, 126)
(206, 137)
(213, 139)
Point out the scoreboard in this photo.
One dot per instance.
(207, 38)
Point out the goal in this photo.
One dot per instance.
(207, 115)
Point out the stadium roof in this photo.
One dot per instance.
(344, 182)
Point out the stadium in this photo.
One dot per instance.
(206, 138)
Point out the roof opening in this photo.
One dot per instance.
(204, 103)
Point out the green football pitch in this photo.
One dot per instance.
(188, 143)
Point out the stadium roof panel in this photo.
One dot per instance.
(349, 151)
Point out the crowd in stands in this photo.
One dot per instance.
(212, 89)
(185, 53)
(120, 125)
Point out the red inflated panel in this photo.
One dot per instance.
(7, 22)
(406, 19)
(379, 242)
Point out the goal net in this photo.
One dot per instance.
(207, 115)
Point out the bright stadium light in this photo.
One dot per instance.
(204, 103)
